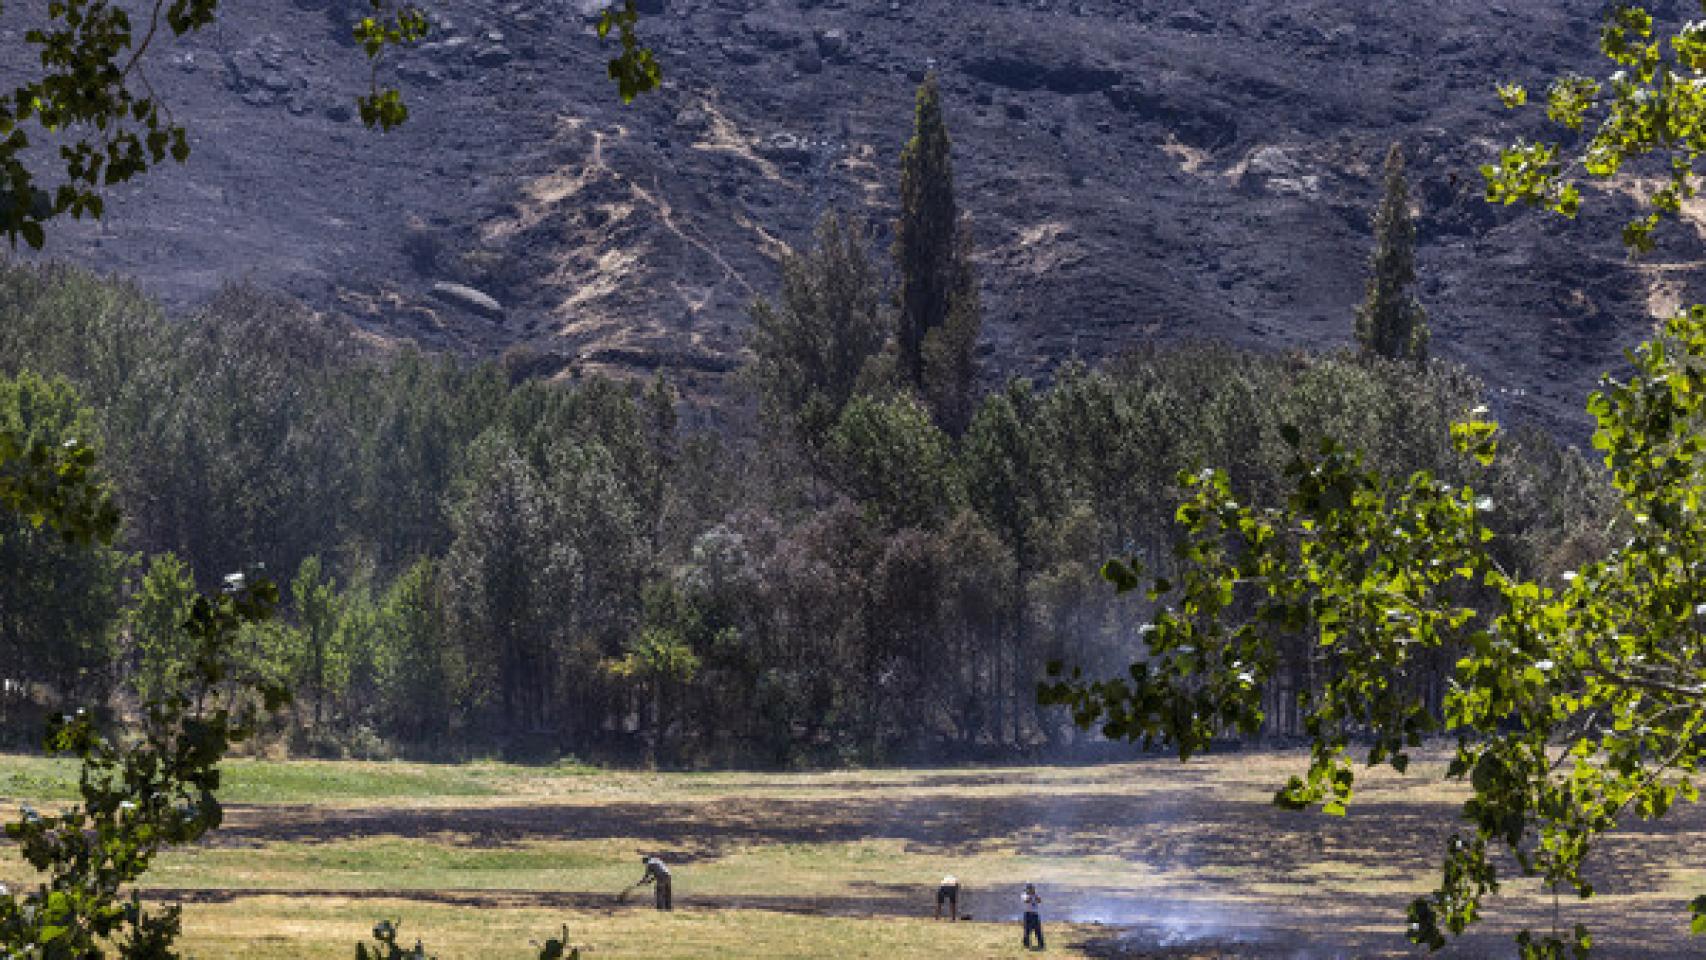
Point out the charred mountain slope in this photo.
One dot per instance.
(1137, 170)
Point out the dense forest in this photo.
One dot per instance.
(473, 561)
(870, 553)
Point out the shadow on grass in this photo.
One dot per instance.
(1174, 831)
(1163, 831)
(1319, 875)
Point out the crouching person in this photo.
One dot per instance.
(658, 876)
(948, 893)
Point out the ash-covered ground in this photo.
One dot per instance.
(1137, 170)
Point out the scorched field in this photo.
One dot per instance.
(1143, 859)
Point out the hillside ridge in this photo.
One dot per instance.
(1136, 172)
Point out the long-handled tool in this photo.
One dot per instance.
(623, 896)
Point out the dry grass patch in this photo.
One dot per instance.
(276, 928)
(844, 863)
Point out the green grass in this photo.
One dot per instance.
(606, 866)
(37, 778)
(286, 929)
(766, 863)
(311, 781)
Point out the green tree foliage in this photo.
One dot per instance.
(47, 474)
(385, 946)
(1645, 121)
(964, 683)
(1015, 487)
(889, 455)
(939, 318)
(59, 597)
(223, 421)
(412, 436)
(420, 677)
(1577, 704)
(54, 484)
(950, 350)
(509, 572)
(658, 662)
(1011, 470)
(813, 347)
(158, 613)
(654, 501)
(252, 429)
(831, 620)
(92, 105)
(635, 70)
(1390, 323)
(360, 644)
(140, 799)
(540, 613)
(137, 800)
(321, 669)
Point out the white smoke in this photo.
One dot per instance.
(1171, 923)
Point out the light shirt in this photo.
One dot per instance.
(655, 869)
(950, 881)
(1032, 902)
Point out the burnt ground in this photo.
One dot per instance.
(1171, 934)
(1148, 928)
(1256, 888)
(1137, 170)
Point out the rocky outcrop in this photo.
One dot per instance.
(468, 298)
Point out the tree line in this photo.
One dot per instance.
(878, 566)
(473, 561)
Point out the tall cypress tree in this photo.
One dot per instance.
(938, 290)
(1391, 323)
(950, 348)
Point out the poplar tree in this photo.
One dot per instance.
(1391, 323)
(939, 318)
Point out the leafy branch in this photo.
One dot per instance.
(138, 800)
(94, 100)
(1370, 573)
(385, 946)
(1651, 105)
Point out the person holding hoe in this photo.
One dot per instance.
(1033, 903)
(658, 876)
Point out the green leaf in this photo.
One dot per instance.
(1124, 576)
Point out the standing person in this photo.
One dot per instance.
(1033, 903)
(948, 893)
(658, 875)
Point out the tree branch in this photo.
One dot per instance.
(1647, 683)
(147, 38)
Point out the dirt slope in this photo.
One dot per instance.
(1137, 170)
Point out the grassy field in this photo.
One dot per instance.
(1145, 859)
